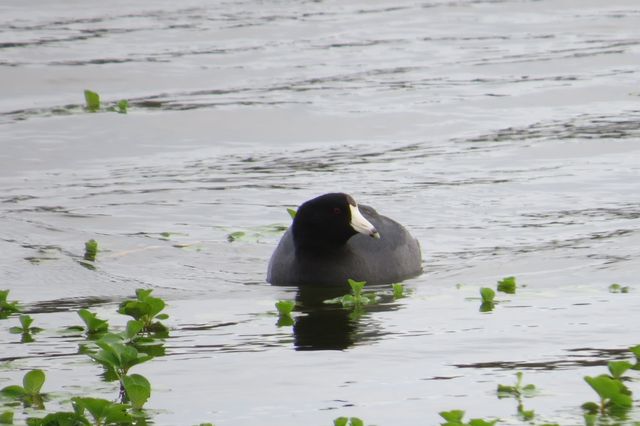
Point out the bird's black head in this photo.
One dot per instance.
(328, 221)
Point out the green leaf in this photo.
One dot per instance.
(13, 391)
(507, 285)
(480, 422)
(62, 418)
(526, 415)
(355, 421)
(102, 410)
(156, 305)
(123, 106)
(138, 389)
(25, 321)
(94, 324)
(292, 213)
(356, 286)
(506, 391)
(90, 250)
(16, 330)
(142, 293)
(33, 381)
(133, 328)
(398, 290)
(6, 418)
(590, 419)
(162, 316)
(340, 421)
(92, 100)
(454, 416)
(591, 407)
(96, 407)
(6, 307)
(610, 390)
(487, 294)
(618, 368)
(285, 307)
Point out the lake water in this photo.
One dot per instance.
(504, 134)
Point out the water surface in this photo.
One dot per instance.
(504, 135)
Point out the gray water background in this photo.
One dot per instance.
(503, 134)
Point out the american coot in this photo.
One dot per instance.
(333, 239)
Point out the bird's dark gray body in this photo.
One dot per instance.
(394, 257)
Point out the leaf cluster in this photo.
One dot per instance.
(25, 328)
(507, 285)
(615, 398)
(29, 393)
(285, 307)
(7, 308)
(146, 309)
(455, 418)
(93, 104)
(348, 421)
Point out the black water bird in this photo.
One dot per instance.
(333, 239)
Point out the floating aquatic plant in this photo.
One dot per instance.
(357, 297)
(29, 393)
(398, 291)
(90, 250)
(617, 288)
(146, 309)
(25, 328)
(94, 325)
(507, 285)
(92, 100)
(7, 308)
(455, 418)
(488, 295)
(348, 421)
(285, 307)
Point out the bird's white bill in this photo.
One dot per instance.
(360, 224)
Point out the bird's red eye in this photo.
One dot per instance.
(337, 211)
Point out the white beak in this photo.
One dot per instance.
(360, 224)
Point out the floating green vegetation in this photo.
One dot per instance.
(518, 391)
(92, 103)
(90, 250)
(357, 300)
(488, 295)
(7, 308)
(348, 421)
(455, 418)
(507, 285)
(104, 412)
(617, 288)
(292, 212)
(256, 233)
(25, 329)
(146, 309)
(6, 418)
(122, 106)
(357, 296)
(285, 307)
(29, 393)
(92, 100)
(398, 291)
(615, 398)
(116, 352)
(94, 325)
(635, 350)
(235, 236)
